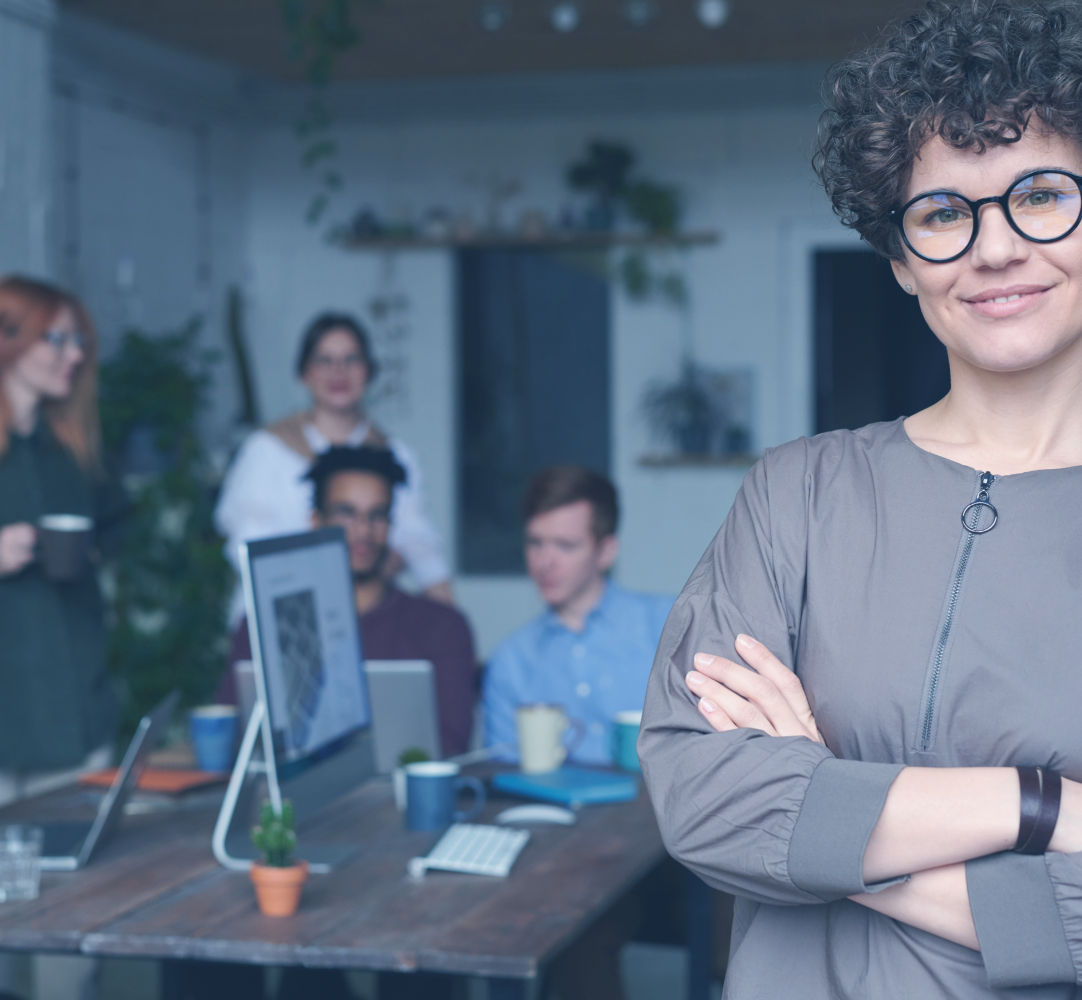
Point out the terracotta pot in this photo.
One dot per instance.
(278, 890)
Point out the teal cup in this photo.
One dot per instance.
(623, 738)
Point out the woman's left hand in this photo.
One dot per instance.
(768, 697)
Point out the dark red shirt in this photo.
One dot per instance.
(404, 627)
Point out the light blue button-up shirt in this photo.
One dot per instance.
(594, 673)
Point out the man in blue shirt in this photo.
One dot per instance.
(591, 652)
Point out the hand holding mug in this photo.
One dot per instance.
(16, 547)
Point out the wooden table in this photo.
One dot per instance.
(156, 892)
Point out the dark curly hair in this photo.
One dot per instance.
(343, 458)
(974, 73)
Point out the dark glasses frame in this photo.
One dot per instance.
(897, 216)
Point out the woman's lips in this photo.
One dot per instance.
(998, 303)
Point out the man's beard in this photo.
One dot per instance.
(373, 572)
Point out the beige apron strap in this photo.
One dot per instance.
(290, 432)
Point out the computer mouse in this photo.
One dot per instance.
(537, 814)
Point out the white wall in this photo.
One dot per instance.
(191, 173)
(149, 188)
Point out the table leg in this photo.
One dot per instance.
(700, 917)
(508, 989)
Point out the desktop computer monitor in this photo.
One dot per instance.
(312, 708)
(305, 642)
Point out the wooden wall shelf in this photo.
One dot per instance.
(737, 460)
(542, 241)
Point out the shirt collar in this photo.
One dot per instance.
(554, 622)
(319, 443)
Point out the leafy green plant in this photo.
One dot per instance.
(320, 31)
(412, 755)
(274, 837)
(167, 587)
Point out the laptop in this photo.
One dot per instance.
(67, 847)
(403, 697)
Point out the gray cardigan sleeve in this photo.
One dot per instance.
(773, 819)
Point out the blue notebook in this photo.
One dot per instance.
(569, 786)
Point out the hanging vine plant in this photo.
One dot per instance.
(320, 32)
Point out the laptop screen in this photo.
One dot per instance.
(299, 596)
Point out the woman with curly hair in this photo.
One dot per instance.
(893, 790)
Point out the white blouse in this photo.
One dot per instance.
(265, 494)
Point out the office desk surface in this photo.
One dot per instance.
(156, 891)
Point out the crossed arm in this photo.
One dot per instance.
(934, 819)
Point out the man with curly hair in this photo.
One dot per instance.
(893, 790)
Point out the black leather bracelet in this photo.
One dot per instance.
(1048, 813)
(1029, 785)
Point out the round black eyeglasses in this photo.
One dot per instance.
(1044, 206)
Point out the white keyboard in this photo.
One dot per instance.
(473, 849)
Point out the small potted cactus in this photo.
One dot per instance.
(278, 879)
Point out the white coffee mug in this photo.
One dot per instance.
(541, 732)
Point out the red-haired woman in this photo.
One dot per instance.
(57, 704)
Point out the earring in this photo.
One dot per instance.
(909, 288)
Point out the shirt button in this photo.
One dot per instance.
(578, 651)
(583, 690)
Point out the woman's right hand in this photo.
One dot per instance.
(16, 547)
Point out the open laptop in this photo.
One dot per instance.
(69, 846)
(403, 696)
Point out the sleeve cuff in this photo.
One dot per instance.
(1017, 920)
(841, 807)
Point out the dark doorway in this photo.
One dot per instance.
(533, 387)
(875, 356)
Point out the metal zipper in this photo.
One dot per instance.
(972, 516)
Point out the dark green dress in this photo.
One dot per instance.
(57, 702)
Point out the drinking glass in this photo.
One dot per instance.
(20, 862)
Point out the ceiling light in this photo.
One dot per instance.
(712, 13)
(565, 16)
(640, 13)
(494, 15)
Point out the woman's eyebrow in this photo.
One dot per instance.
(1017, 177)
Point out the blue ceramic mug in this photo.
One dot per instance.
(214, 731)
(431, 789)
(623, 739)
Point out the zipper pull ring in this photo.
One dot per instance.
(986, 481)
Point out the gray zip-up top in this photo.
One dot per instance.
(918, 643)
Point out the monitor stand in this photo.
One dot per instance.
(311, 791)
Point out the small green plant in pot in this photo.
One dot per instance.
(278, 879)
(411, 755)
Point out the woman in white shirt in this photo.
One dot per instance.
(265, 494)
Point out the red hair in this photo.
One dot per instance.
(27, 308)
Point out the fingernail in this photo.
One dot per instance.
(704, 659)
(746, 640)
(694, 679)
(707, 705)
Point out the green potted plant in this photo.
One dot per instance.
(278, 879)
(411, 755)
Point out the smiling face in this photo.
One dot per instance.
(47, 370)
(1009, 304)
(336, 375)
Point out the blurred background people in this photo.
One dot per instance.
(591, 652)
(265, 492)
(354, 489)
(58, 707)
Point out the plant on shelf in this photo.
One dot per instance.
(278, 879)
(168, 586)
(605, 174)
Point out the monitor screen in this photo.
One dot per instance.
(299, 593)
